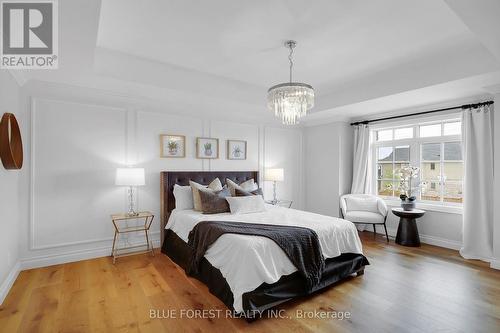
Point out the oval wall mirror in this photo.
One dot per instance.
(11, 144)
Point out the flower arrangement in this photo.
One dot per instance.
(406, 186)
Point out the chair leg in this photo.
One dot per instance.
(374, 231)
(386, 235)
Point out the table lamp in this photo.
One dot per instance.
(130, 177)
(274, 175)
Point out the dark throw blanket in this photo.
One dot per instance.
(301, 245)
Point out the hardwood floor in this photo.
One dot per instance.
(425, 289)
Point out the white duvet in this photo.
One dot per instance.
(248, 261)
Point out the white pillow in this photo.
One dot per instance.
(362, 203)
(248, 186)
(246, 205)
(183, 197)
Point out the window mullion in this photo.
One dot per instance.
(415, 161)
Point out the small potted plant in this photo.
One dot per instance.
(173, 147)
(208, 149)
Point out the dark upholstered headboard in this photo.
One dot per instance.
(169, 178)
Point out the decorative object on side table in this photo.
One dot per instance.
(119, 218)
(407, 229)
(407, 176)
(274, 175)
(207, 148)
(130, 177)
(172, 145)
(236, 150)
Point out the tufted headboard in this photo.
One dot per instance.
(169, 178)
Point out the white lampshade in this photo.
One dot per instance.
(129, 177)
(275, 175)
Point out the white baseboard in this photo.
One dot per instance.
(495, 263)
(71, 256)
(9, 281)
(441, 242)
(426, 239)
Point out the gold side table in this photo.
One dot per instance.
(117, 219)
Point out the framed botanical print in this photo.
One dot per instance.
(172, 145)
(236, 150)
(207, 148)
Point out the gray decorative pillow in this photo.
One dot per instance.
(214, 186)
(214, 202)
(249, 185)
(242, 193)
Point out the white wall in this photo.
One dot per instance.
(9, 192)
(283, 149)
(79, 137)
(328, 166)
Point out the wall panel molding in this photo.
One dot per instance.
(32, 215)
(45, 249)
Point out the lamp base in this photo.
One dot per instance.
(131, 211)
(275, 199)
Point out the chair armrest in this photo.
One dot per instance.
(382, 207)
(343, 206)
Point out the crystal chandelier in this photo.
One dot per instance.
(290, 101)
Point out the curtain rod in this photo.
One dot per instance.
(465, 106)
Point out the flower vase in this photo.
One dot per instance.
(408, 205)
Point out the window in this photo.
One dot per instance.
(389, 160)
(430, 130)
(454, 128)
(435, 147)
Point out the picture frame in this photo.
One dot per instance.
(172, 146)
(236, 150)
(207, 148)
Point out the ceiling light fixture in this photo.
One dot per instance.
(290, 101)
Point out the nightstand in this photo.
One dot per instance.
(282, 203)
(407, 229)
(120, 219)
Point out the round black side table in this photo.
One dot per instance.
(407, 230)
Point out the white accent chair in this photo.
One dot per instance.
(364, 209)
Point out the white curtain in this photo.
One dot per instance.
(477, 138)
(361, 180)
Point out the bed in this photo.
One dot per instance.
(251, 274)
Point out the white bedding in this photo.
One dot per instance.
(248, 261)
